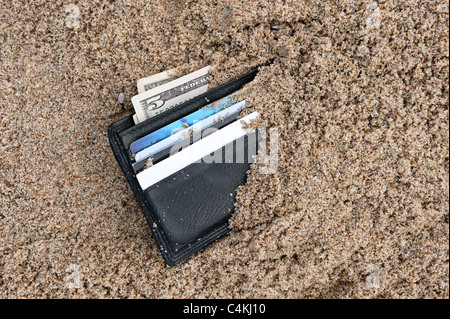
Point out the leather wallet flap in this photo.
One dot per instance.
(199, 198)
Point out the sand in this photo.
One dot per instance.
(358, 204)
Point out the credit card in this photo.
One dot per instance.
(200, 131)
(194, 153)
(178, 136)
(187, 121)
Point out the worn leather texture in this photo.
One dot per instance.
(198, 199)
(189, 209)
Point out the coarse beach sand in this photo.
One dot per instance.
(356, 207)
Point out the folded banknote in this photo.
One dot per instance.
(165, 96)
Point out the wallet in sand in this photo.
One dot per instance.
(189, 209)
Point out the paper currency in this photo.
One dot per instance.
(170, 94)
(156, 80)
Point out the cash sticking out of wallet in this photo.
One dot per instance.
(171, 147)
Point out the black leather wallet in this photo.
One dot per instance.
(189, 209)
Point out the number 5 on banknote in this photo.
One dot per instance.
(152, 103)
